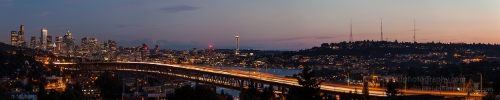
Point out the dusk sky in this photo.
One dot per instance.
(261, 24)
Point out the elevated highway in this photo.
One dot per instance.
(236, 78)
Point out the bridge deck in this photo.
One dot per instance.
(269, 78)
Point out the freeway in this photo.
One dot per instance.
(331, 87)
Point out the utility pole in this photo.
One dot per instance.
(481, 86)
(348, 81)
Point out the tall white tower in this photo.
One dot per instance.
(237, 45)
(44, 39)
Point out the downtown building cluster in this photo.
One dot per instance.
(63, 45)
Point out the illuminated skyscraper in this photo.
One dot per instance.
(21, 41)
(195, 51)
(157, 50)
(33, 43)
(85, 44)
(68, 44)
(13, 38)
(121, 49)
(112, 45)
(144, 52)
(237, 45)
(50, 44)
(39, 44)
(59, 40)
(44, 39)
(93, 45)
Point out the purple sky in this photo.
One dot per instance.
(275, 24)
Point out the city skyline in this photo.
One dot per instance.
(270, 25)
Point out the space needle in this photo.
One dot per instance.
(236, 51)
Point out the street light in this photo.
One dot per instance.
(348, 81)
(481, 91)
(406, 80)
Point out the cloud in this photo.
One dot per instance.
(122, 26)
(129, 6)
(175, 9)
(44, 13)
(325, 37)
(294, 38)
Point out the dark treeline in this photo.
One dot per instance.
(375, 48)
(198, 92)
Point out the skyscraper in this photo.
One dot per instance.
(40, 41)
(237, 45)
(144, 52)
(195, 51)
(112, 45)
(93, 45)
(33, 43)
(85, 44)
(21, 41)
(68, 44)
(50, 45)
(13, 38)
(157, 50)
(59, 40)
(44, 39)
(120, 48)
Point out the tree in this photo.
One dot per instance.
(199, 92)
(267, 94)
(310, 86)
(391, 88)
(110, 85)
(42, 93)
(470, 85)
(53, 95)
(79, 90)
(411, 74)
(365, 90)
(229, 97)
(3, 93)
(489, 96)
(29, 87)
(251, 93)
(69, 94)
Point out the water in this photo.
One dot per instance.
(274, 71)
(277, 72)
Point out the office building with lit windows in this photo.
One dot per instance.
(13, 38)
(43, 39)
(33, 43)
(58, 44)
(50, 44)
(20, 39)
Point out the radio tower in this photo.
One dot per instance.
(381, 34)
(414, 40)
(350, 38)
